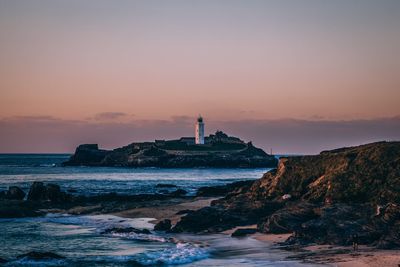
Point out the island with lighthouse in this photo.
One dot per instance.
(216, 150)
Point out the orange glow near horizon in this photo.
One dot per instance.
(156, 61)
(131, 61)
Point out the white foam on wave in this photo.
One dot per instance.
(99, 222)
(31, 262)
(182, 253)
(140, 237)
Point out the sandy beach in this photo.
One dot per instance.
(166, 209)
(321, 254)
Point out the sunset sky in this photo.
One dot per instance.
(295, 76)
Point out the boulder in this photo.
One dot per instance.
(288, 219)
(164, 225)
(221, 190)
(37, 192)
(337, 224)
(179, 192)
(241, 232)
(209, 219)
(184, 212)
(18, 209)
(13, 193)
(54, 193)
(49, 192)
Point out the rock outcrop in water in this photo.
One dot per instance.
(13, 193)
(219, 150)
(49, 192)
(326, 199)
(44, 197)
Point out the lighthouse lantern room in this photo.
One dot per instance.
(199, 131)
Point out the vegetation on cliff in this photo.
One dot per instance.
(219, 150)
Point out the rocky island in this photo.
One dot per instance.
(219, 150)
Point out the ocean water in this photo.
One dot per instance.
(80, 239)
(23, 169)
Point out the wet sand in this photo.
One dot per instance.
(325, 255)
(338, 256)
(166, 209)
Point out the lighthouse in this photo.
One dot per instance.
(199, 131)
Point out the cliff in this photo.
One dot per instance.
(367, 173)
(219, 150)
(326, 199)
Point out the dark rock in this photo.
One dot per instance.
(54, 193)
(288, 219)
(164, 225)
(221, 190)
(367, 173)
(36, 255)
(37, 192)
(219, 151)
(49, 192)
(333, 197)
(209, 219)
(165, 185)
(184, 212)
(13, 193)
(337, 224)
(87, 154)
(220, 217)
(203, 220)
(179, 192)
(388, 224)
(17, 209)
(243, 232)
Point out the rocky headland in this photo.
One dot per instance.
(336, 197)
(219, 150)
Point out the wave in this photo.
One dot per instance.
(140, 237)
(99, 222)
(32, 262)
(169, 250)
(182, 253)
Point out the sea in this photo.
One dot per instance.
(80, 239)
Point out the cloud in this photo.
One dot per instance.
(109, 116)
(49, 134)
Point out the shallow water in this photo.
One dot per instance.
(80, 238)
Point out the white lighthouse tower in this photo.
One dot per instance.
(199, 132)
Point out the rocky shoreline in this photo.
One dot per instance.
(43, 198)
(335, 198)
